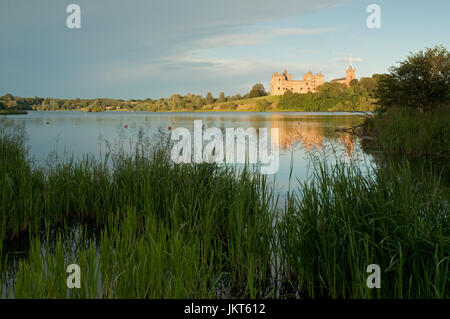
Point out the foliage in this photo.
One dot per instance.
(167, 230)
(332, 97)
(221, 98)
(345, 219)
(263, 105)
(411, 132)
(207, 231)
(414, 114)
(228, 106)
(257, 91)
(209, 99)
(422, 81)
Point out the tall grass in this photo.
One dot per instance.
(163, 230)
(166, 230)
(345, 220)
(411, 132)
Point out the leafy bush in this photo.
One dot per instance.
(263, 105)
(257, 91)
(331, 97)
(228, 106)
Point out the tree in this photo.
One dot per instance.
(221, 97)
(8, 97)
(192, 102)
(369, 84)
(257, 91)
(236, 97)
(209, 99)
(2, 106)
(332, 90)
(422, 81)
(9, 101)
(175, 101)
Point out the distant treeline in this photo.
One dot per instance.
(189, 102)
(334, 97)
(329, 97)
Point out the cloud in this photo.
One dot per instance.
(228, 67)
(256, 37)
(194, 57)
(141, 48)
(348, 59)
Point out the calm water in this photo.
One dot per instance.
(304, 137)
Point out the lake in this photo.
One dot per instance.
(304, 137)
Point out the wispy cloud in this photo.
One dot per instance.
(232, 67)
(346, 57)
(349, 59)
(204, 67)
(257, 37)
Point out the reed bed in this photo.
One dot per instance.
(140, 226)
(165, 230)
(346, 219)
(410, 132)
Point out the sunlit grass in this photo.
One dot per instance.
(345, 220)
(204, 231)
(411, 132)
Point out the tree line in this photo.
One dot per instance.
(188, 102)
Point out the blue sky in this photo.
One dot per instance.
(148, 48)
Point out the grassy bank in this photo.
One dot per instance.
(311, 102)
(204, 231)
(13, 112)
(256, 104)
(332, 97)
(411, 132)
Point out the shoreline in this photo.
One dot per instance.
(13, 112)
(214, 111)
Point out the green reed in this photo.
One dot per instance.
(411, 132)
(166, 230)
(347, 219)
(163, 230)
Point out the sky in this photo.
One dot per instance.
(139, 49)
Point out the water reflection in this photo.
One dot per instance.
(303, 139)
(303, 136)
(310, 132)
